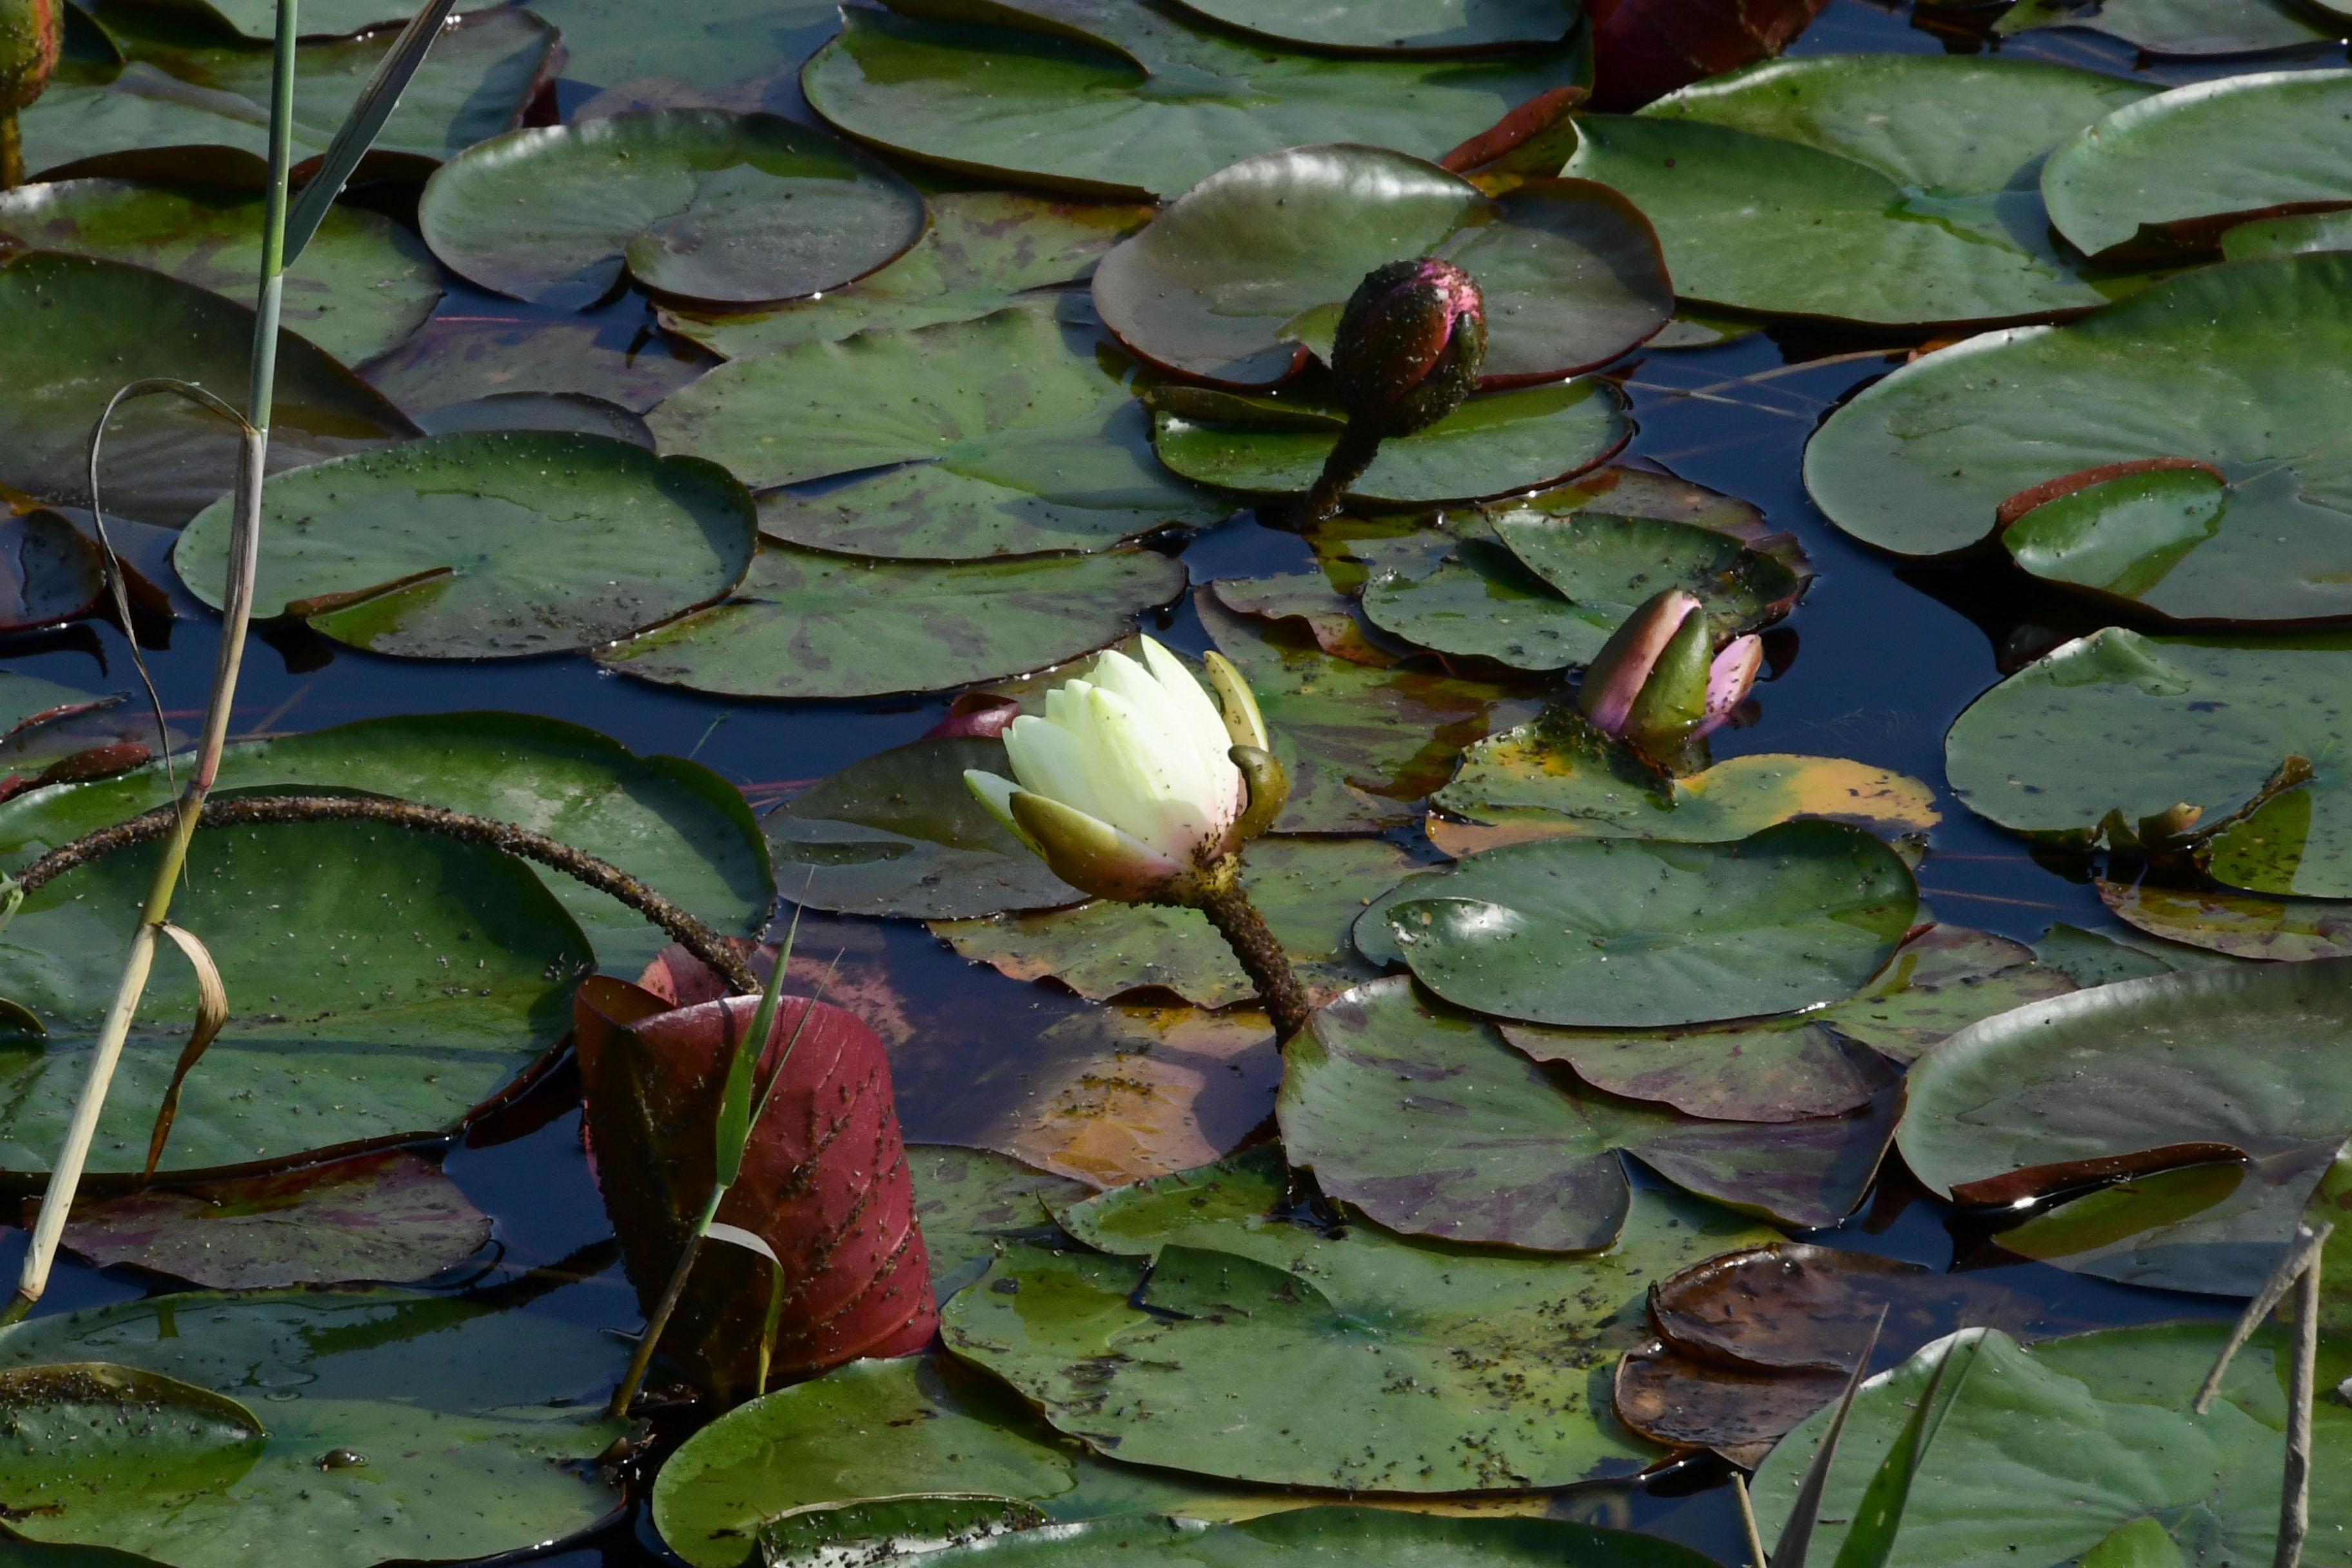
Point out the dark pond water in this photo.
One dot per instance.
(1874, 665)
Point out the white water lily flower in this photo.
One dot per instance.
(1127, 784)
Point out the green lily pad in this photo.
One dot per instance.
(1251, 265)
(969, 1200)
(717, 50)
(380, 984)
(2103, 957)
(900, 1428)
(1403, 26)
(1364, 746)
(1559, 777)
(1537, 590)
(696, 203)
(1425, 1120)
(806, 624)
(899, 833)
(2168, 174)
(1825, 1062)
(2181, 26)
(1628, 931)
(2234, 367)
(1227, 1343)
(73, 329)
(1493, 444)
(2236, 1070)
(487, 545)
(1376, 1538)
(1310, 892)
(983, 250)
(2050, 1452)
(1014, 434)
(201, 111)
(2288, 235)
(399, 1425)
(452, 360)
(387, 1216)
(679, 828)
(361, 285)
(2121, 726)
(1135, 102)
(576, 413)
(89, 1437)
(1815, 187)
(2245, 925)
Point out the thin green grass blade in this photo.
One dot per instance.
(1870, 1539)
(1797, 1535)
(362, 125)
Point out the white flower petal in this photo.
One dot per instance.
(1156, 803)
(1049, 760)
(1204, 728)
(997, 794)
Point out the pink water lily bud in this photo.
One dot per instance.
(1729, 680)
(31, 31)
(1615, 677)
(1409, 345)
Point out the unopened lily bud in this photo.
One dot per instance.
(31, 31)
(1409, 343)
(1658, 682)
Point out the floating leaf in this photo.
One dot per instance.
(694, 203)
(487, 545)
(2243, 925)
(1423, 1119)
(88, 1436)
(1397, 27)
(258, 19)
(2231, 367)
(383, 984)
(1493, 444)
(1245, 274)
(899, 833)
(1193, 1350)
(2118, 724)
(48, 571)
(365, 283)
(983, 251)
(1016, 435)
(1310, 892)
(1804, 188)
(1136, 102)
(807, 623)
(1125, 1093)
(720, 52)
(573, 413)
(2079, 1439)
(399, 1425)
(2288, 235)
(1821, 1062)
(1362, 746)
(2228, 1083)
(1752, 1342)
(2168, 174)
(389, 1217)
(1644, 48)
(1624, 931)
(969, 1200)
(1559, 778)
(483, 68)
(2182, 27)
(72, 330)
(678, 826)
(458, 358)
(824, 1181)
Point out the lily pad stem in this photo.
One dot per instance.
(626, 1395)
(164, 822)
(1253, 941)
(1358, 447)
(12, 151)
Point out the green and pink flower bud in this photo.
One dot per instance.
(1659, 680)
(1409, 343)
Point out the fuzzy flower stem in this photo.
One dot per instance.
(1354, 453)
(12, 151)
(1219, 897)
